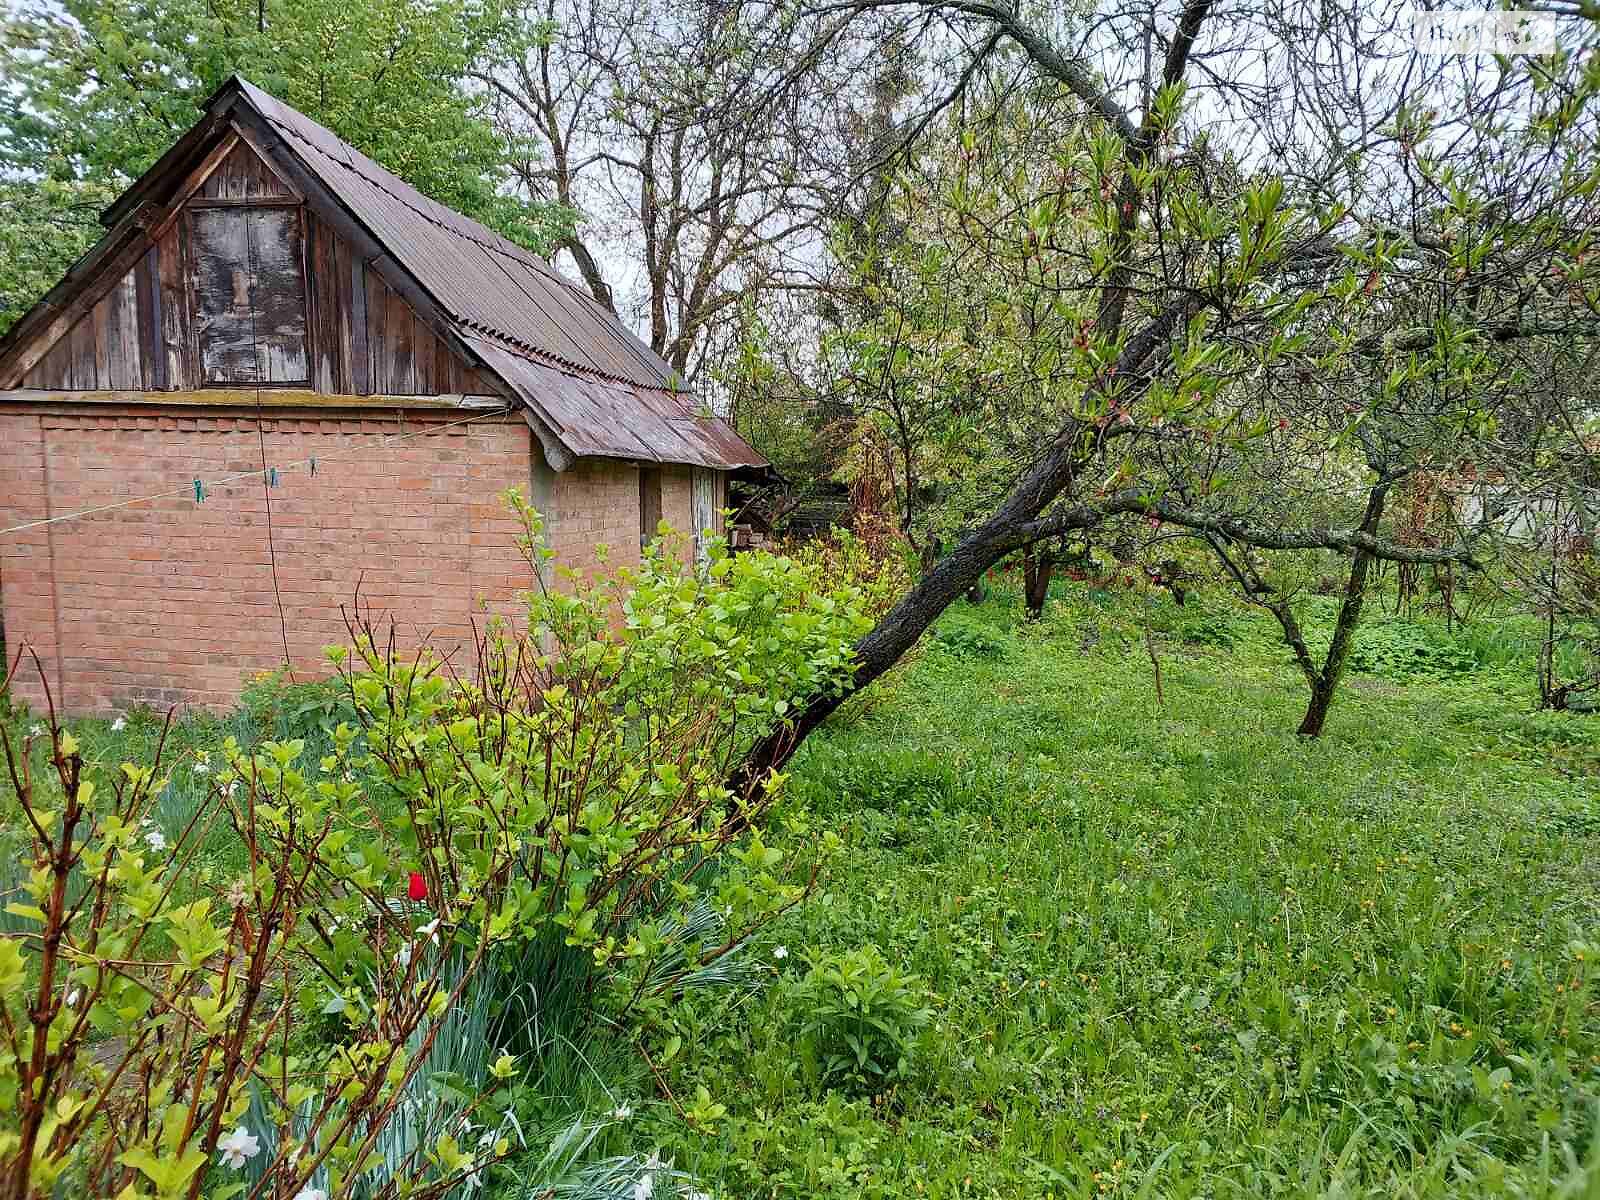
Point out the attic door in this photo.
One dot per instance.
(249, 294)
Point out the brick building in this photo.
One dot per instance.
(282, 376)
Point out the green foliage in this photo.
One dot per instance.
(861, 1018)
(1393, 647)
(969, 638)
(1178, 948)
(1402, 649)
(99, 89)
(432, 904)
(843, 558)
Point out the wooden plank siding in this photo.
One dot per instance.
(158, 328)
(243, 176)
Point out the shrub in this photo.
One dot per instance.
(862, 1018)
(197, 972)
(309, 1019)
(843, 559)
(1405, 650)
(970, 638)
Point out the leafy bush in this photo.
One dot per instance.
(1406, 649)
(843, 559)
(862, 1017)
(308, 1012)
(1395, 648)
(1221, 630)
(970, 638)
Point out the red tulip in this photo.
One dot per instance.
(417, 888)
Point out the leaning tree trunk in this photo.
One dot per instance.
(1326, 681)
(1005, 530)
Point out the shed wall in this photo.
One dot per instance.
(172, 602)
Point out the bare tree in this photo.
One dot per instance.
(705, 147)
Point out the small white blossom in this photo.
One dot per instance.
(119, 724)
(201, 768)
(311, 1193)
(404, 956)
(621, 1112)
(238, 1147)
(72, 998)
(431, 932)
(780, 952)
(156, 840)
(35, 730)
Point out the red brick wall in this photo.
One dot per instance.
(170, 601)
(596, 500)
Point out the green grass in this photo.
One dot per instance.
(1173, 949)
(1170, 948)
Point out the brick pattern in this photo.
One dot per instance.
(596, 502)
(172, 602)
(169, 602)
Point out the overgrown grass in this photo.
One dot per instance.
(1173, 949)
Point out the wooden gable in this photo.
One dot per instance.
(243, 282)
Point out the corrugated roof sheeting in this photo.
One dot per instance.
(587, 380)
(488, 283)
(611, 419)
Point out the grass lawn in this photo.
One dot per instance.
(1167, 947)
(1171, 948)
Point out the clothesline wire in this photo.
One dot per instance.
(187, 490)
(268, 476)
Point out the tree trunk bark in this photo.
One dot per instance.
(1036, 571)
(898, 630)
(1344, 628)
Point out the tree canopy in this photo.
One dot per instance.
(97, 90)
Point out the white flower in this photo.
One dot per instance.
(35, 730)
(201, 768)
(238, 1147)
(644, 1188)
(311, 1193)
(156, 840)
(119, 724)
(621, 1112)
(431, 931)
(780, 952)
(404, 956)
(72, 998)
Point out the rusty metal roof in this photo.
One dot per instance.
(598, 388)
